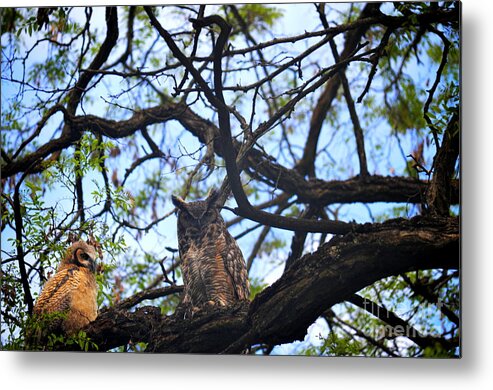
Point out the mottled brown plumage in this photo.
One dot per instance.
(214, 270)
(72, 291)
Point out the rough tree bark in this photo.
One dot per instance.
(283, 312)
(312, 284)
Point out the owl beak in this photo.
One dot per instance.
(92, 266)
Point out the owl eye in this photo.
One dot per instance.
(84, 256)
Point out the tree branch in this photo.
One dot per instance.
(245, 209)
(306, 166)
(439, 192)
(358, 131)
(431, 92)
(109, 42)
(401, 327)
(260, 166)
(148, 294)
(28, 299)
(282, 312)
(432, 298)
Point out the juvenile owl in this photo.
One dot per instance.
(72, 291)
(214, 271)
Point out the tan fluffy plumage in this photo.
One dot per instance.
(72, 291)
(214, 271)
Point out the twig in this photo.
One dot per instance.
(375, 59)
(358, 131)
(28, 299)
(431, 92)
(149, 294)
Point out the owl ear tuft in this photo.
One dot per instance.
(177, 201)
(213, 196)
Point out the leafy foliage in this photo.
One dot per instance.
(97, 148)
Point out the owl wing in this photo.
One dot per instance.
(57, 292)
(195, 275)
(235, 266)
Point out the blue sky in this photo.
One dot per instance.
(264, 266)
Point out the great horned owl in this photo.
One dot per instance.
(72, 291)
(214, 270)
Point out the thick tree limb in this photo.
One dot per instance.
(69, 135)
(102, 55)
(20, 164)
(75, 95)
(244, 209)
(311, 284)
(282, 312)
(345, 265)
(260, 166)
(319, 192)
(306, 166)
(399, 326)
(439, 193)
